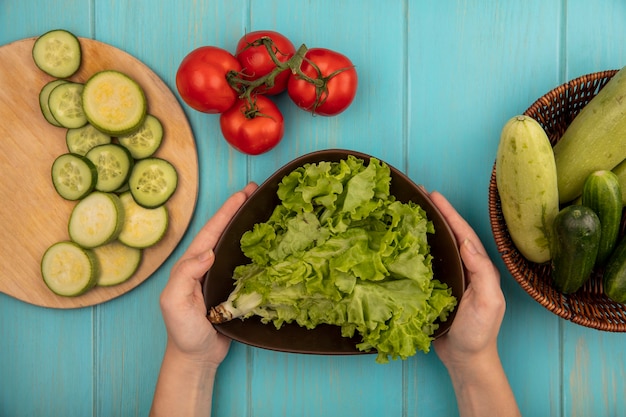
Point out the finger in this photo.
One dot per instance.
(250, 188)
(188, 272)
(195, 267)
(209, 234)
(461, 228)
(480, 268)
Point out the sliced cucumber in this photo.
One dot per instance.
(152, 182)
(81, 139)
(96, 219)
(117, 262)
(145, 141)
(113, 163)
(65, 104)
(143, 227)
(57, 53)
(124, 188)
(114, 103)
(73, 176)
(44, 94)
(69, 270)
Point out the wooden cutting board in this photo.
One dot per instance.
(33, 216)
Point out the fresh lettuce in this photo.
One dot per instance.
(341, 250)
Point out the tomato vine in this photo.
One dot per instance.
(246, 87)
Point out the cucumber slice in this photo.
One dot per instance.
(65, 104)
(96, 219)
(144, 142)
(152, 182)
(44, 94)
(81, 139)
(117, 262)
(122, 189)
(143, 227)
(73, 176)
(113, 163)
(57, 53)
(114, 103)
(69, 270)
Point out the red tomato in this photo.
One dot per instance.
(201, 79)
(253, 130)
(256, 61)
(339, 87)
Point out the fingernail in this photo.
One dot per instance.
(470, 246)
(205, 256)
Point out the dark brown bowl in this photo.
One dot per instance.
(324, 339)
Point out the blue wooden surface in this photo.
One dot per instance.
(437, 82)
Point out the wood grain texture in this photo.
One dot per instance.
(462, 93)
(34, 216)
(437, 80)
(594, 364)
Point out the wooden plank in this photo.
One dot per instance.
(130, 335)
(471, 67)
(593, 37)
(593, 361)
(320, 385)
(46, 356)
(313, 385)
(46, 360)
(437, 82)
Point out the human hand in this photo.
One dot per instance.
(469, 349)
(194, 348)
(189, 332)
(473, 334)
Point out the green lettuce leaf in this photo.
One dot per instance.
(341, 250)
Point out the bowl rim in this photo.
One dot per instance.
(237, 329)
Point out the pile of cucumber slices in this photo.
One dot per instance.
(110, 170)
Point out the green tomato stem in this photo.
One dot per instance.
(246, 87)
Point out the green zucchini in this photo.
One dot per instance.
(594, 140)
(576, 238)
(527, 185)
(602, 194)
(614, 278)
(620, 172)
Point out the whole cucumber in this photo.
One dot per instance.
(574, 247)
(620, 172)
(602, 194)
(614, 278)
(595, 139)
(527, 185)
